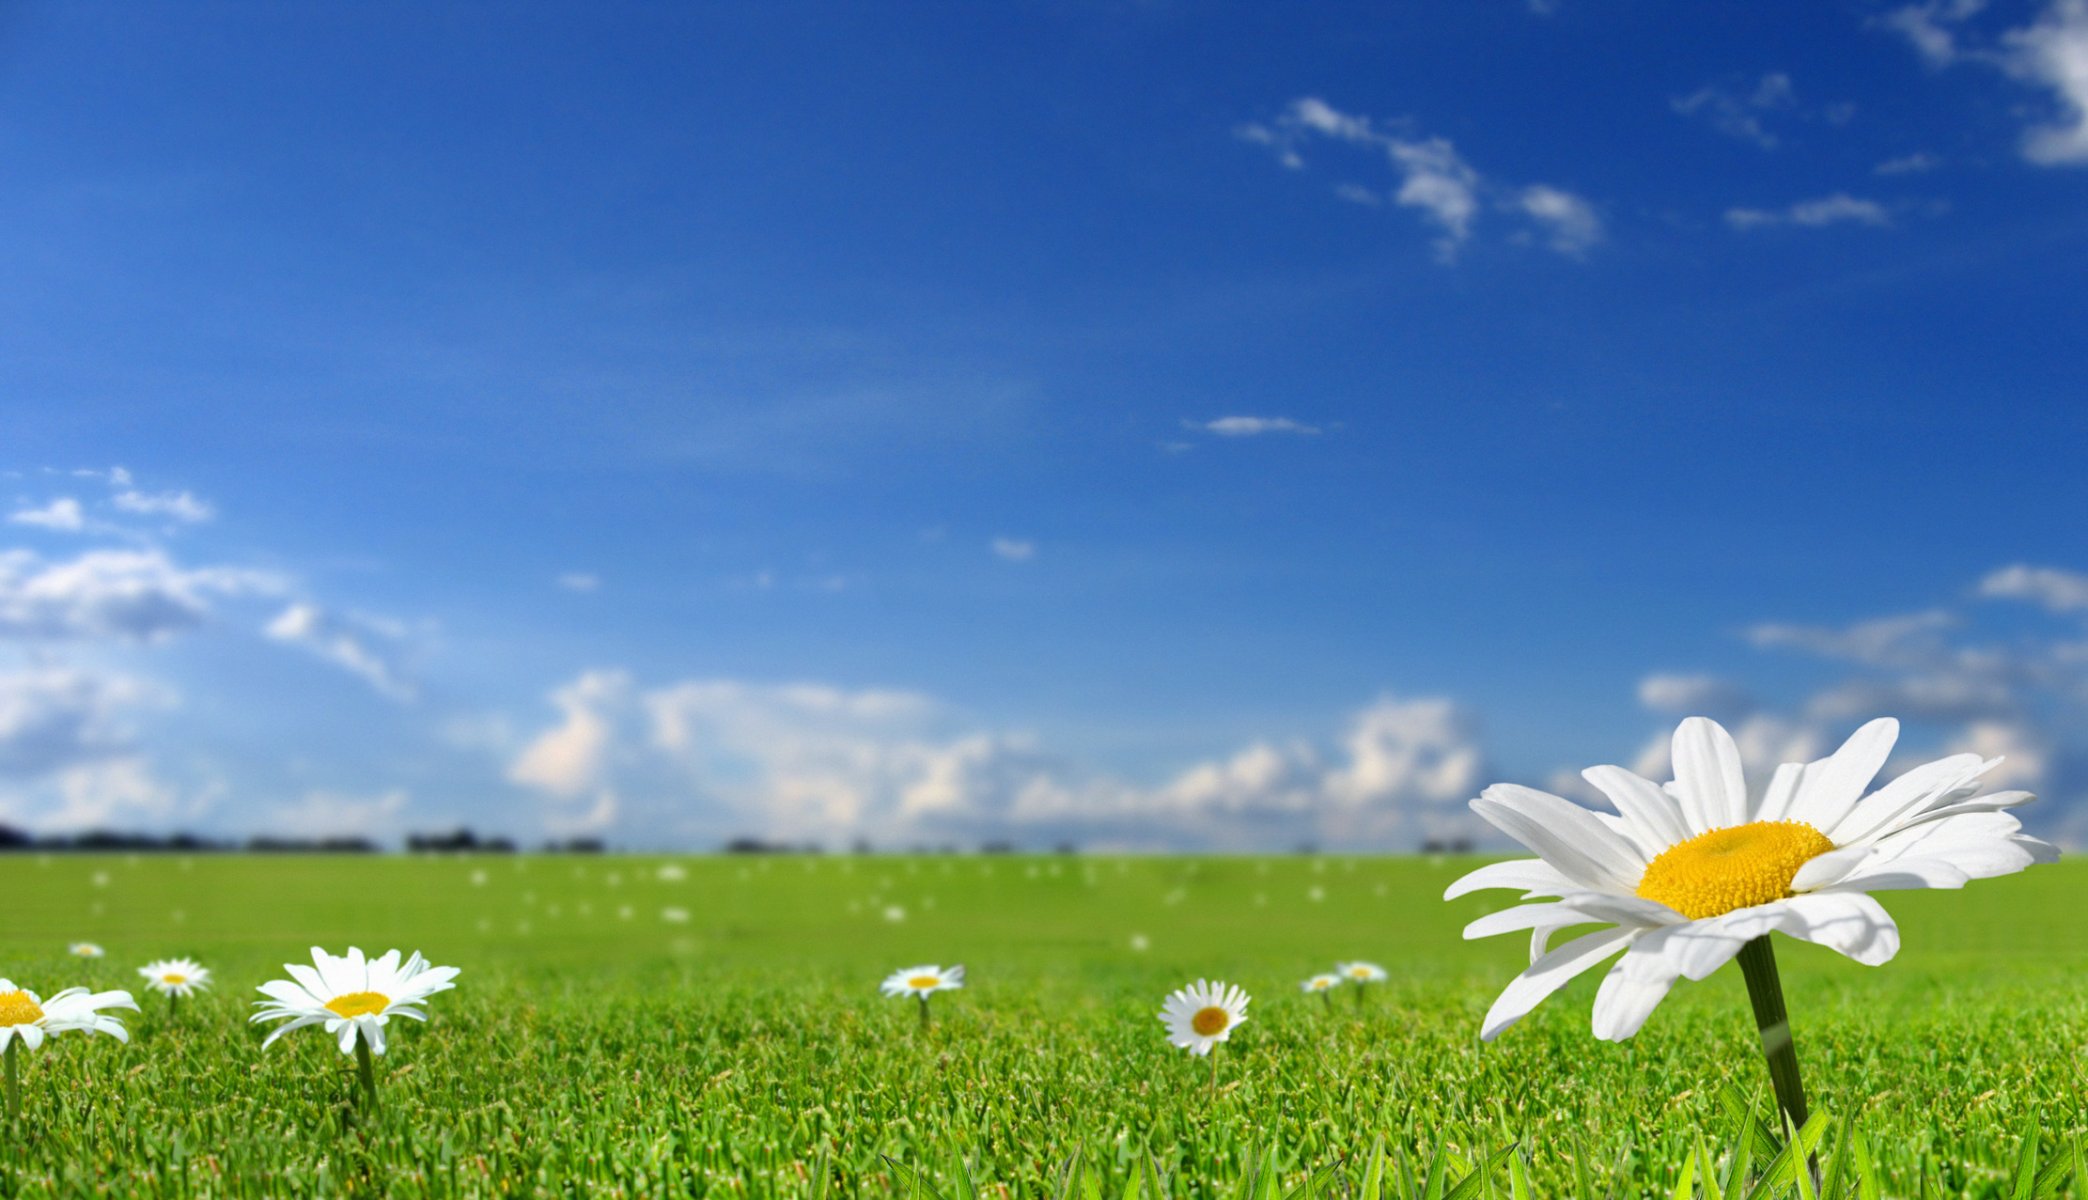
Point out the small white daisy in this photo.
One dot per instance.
(350, 995)
(1321, 983)
(1203, 1014)
(1362, 972)
(922, 981)
(175, 976)
(86, 950)
(24, 1016)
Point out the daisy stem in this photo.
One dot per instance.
(924, 1010)
(1758, 964)
(173, 1006)
(366, 1071)
(1213, 1057)
(14, 1081)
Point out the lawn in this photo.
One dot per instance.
(638, 1026)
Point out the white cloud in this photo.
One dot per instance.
(61, 515)
(1919, 162)
(322, 814)
(138, 595)
(580, 581)
(2050, 54)
(1837, 209)
(52, 717)
(1238, 427)
(182, 506)
(1908, 639)
(1433, 179)
(1570, 220)
(360, 646)
(1694, 696)
(1739, 114)
(2058, 591)
(1013, 549)
(716, 757)
(115, 477)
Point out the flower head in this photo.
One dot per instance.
(922, 981)
(1362, 972)
(24, 1016)
(1685, 875)
(175, 976)
(86, 950)
(1203, 1014)
(350, 995)
(1325, 982)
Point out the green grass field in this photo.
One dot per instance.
(641, 1026)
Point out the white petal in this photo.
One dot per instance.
(347, 1036)
(1522, 874)
(1651, 812)
(1832, 786)
(1568, 836)
(1708, 778)
(1633, 988)
(1849, 923)
(32, 1036)
(1875, 815)
(1830, 868)
(1781, 792)
(1526, 916)
(1549, 974)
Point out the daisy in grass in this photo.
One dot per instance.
(1690, 875)
(1322, 984)
(85, 950)
(921, 983)
(175, 978)
(1360, 973)
(26, 1020)
(1200, 1016)
(352, 998)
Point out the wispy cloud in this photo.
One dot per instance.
(1013, 549)
(182, 505)
(61, 515)
(1242, 426)
(2049, 54)
(580, 581)
(1837, 209)
(2057, 590)
(1432, 178)
(1740, 113)
(360, 646)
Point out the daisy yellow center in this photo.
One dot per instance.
(924, 982)
(1210, 1021)
(1726, 869)
(16, 1008)
(172, 977)
(358, 1004)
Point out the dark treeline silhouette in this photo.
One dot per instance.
(106, 841)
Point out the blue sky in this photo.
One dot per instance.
(1150, 424)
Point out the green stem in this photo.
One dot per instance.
(173, 1006)
(1358, 985)
(1213, 1056)
(366, 1070)
(923, 998)
(1758, 964)
(14, 1081)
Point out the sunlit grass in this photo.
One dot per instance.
(592, 1042)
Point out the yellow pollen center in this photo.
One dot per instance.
(1210, 1021)
(1726, 869)
(359, 1004)
(173, 978)
(924, 982)
(16, 1008)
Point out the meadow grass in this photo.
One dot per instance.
(597, 1046)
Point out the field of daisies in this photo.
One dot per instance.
(1091, 1027)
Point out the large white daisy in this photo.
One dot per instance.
(1686, 875)
(24, 1016)
(1204, 1014)
(175, 976)
(922, 981)
(350, 995)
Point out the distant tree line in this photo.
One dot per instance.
(106, 841)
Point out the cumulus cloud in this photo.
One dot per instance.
(62, 515)
(2049, 54)
(135, 595)
(1012, 549)
(1694, 696)
(1243, 426)
(53, 717)
(710, 758)
(1432, 178)
(2058, 591)
(360, 646)
(1837, 209)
